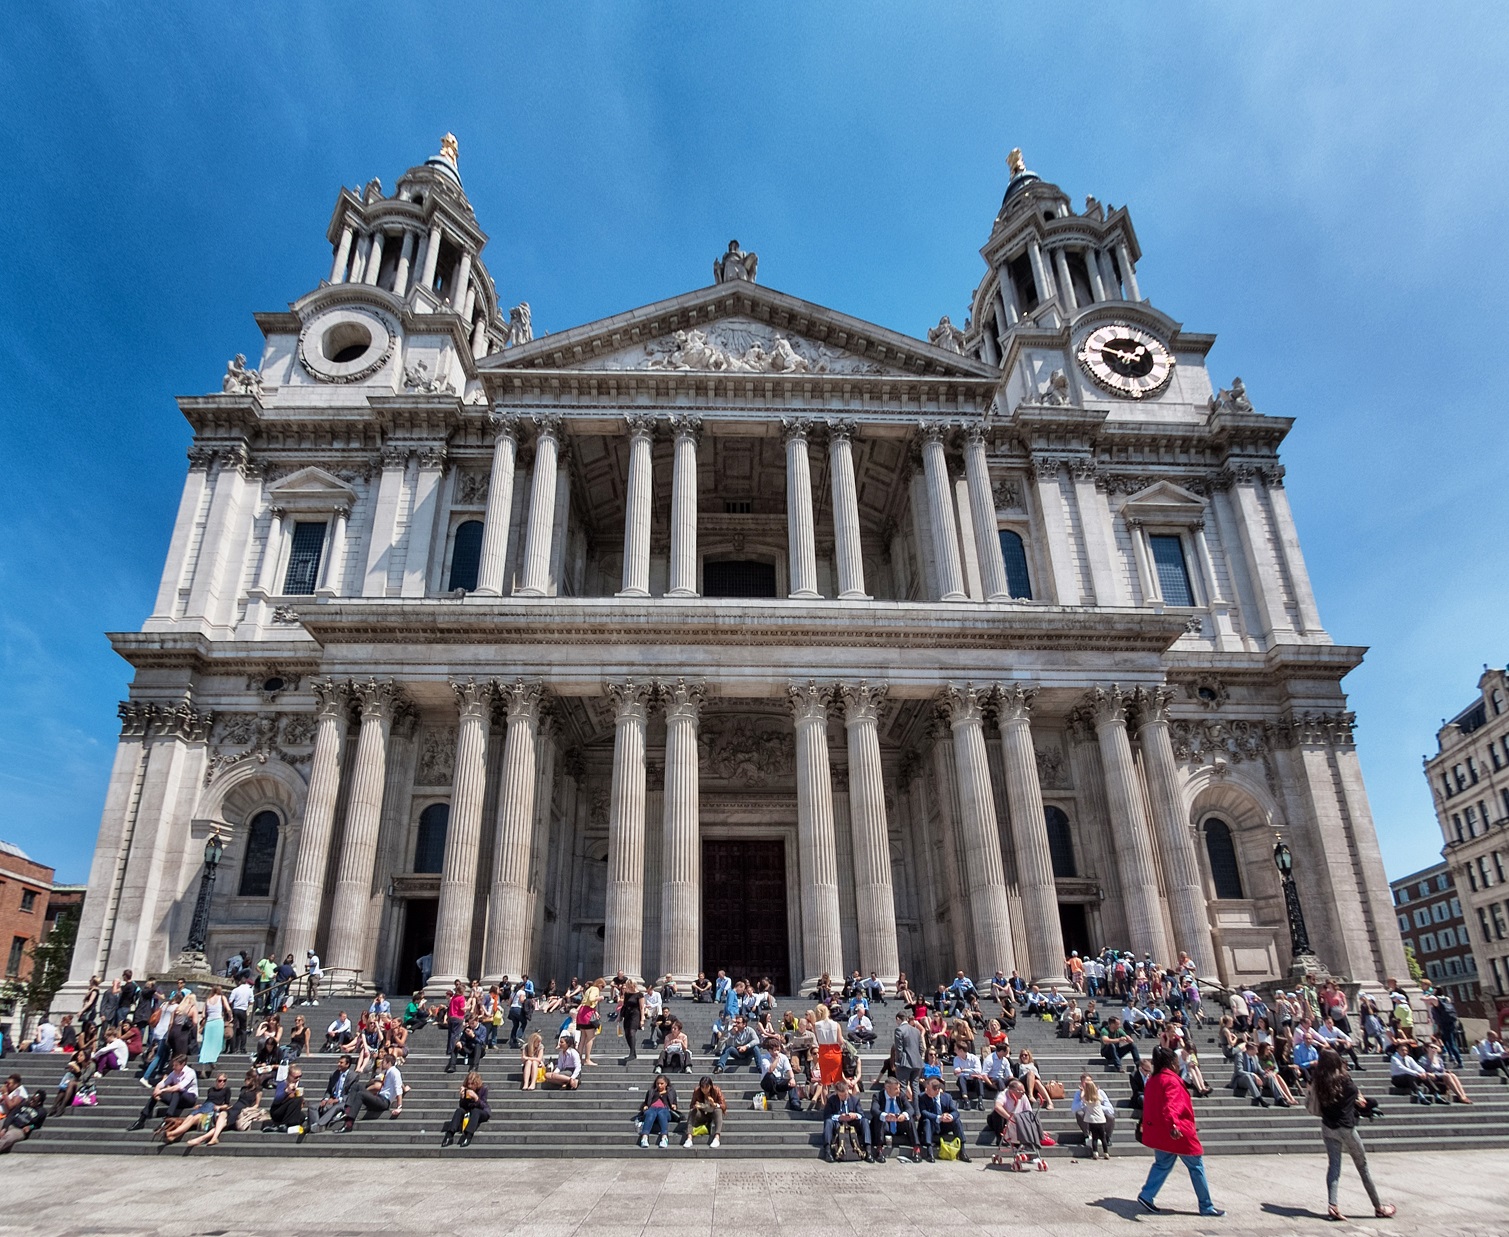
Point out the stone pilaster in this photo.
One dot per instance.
(508, 900)
(1129, 825)
(623, 916)
(463, 835)
(875, 901)
(492, 563)
(354, 875)
(681, 842)
(822, 946)
(1029, 835)
(984, 877)
(307, 893)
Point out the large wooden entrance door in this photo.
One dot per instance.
(744, 910)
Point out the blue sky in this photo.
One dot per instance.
(1323, 190)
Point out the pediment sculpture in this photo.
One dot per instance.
(240, 378)
(735, 265)
(740, 346)
(946, 335)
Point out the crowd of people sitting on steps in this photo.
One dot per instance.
(949, 1051)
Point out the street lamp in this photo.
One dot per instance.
(214, 849)
(1299, 938)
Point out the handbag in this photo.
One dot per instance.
(699, 1131)
(1055, 1089)
(1312, 1101)
(949, 1148)
(250, 1116)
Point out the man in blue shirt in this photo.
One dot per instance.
(842, 1112)
(960, 991)
(938, 1118)
(892, 1117)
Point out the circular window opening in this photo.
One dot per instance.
(1207, 693)
(346, 341)
(273, 684)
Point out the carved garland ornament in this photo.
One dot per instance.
(260, 736)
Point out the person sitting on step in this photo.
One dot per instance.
(383, 1094)
(891, 1117)
(471, 1111)
(779, 1078)
(1445, 1082)
(938, 1118)
(1116, 1046)
(567, 1071)
(675, 1051)
(177, 1093)
(708, 1109)
(741, 1047)
(1493, 1058)
(843, 1118)
(658, 1112)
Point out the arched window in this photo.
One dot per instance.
(1060, 844)
(261, 856)
(466, 555)
(1018, 580)
(429, 848)
(1225, 872)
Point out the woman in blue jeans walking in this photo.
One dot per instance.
(1168, 1128)
(658, 1112)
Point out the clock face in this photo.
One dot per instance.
(1126, 360)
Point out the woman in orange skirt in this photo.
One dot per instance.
(830, 1053)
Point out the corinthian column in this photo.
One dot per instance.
(491, 564)
(332, 704)
(875, 902)
(848, 558)
(940, 513)
(623, 915)
(508, 901)
(984, 875)
(463, 836)
(636, 573)
(982, 507)
(681, 843)
(683, 581)
(1129, 825)
(353, 881)
(1181, 869)
(1029, 835)
(800, 543)
(822, 946)
(535, 581)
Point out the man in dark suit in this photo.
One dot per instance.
(842, 1112)
(891, 1116)
(938, 1118)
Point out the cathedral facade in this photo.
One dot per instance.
(732, 632)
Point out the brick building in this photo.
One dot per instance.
(25, 895)
(1432, 924)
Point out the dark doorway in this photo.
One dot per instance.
(738, 578)
(1075, 927)
(744, 910)
(418, 940)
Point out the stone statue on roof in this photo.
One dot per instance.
(735, 265)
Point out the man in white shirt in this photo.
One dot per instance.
(1408, 1077)
(383, 1094)
(240, 998)
(337, 1033)
(998, 1069)
(312, 976)
(177, 1092)
(859, 1028)
(46, 1039)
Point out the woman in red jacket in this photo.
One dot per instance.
(1168, 1128)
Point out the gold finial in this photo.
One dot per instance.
(448, 147)
(1015, 162)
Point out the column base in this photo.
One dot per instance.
(854, 594)
(632, 592)
(530, 592)
(954, 597)
(683, 592)
(805, 594)
(487, 592)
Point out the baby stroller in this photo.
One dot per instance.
(1025, 1134)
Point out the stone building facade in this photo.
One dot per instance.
(733, 631)
(1469, 782)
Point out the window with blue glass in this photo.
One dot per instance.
(1060, 843)
(1225, 872)
(466, 555)
(261, 856)
(429, 848)
(1014, 552)
(304, 559)
(1173, 571)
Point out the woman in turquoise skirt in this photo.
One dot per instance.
(212, 1035)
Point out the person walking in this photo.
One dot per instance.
(1335, 1099)
(631, 1018)
(1168, 1130)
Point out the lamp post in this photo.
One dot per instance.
(214, 848)
(1304, 959)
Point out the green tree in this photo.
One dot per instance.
(1416, 971)
(50, 963)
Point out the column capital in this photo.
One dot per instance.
(962, 705)
(932, 430)
(331, 698)
(641, 424)
(686, 425)
(631, 698)
(1152, 705)
(795, 427)
(1014, 702)
(434, 456)
(975, 433)
(342, 511)
(505, 424)
(1046, 467)
(378, 701)
(1107, 705)
(278, 513)
(548, 425)
(473, 699)
(681, 699)
(862, 700)
(809, 701)
(842, 429)
(521, 699)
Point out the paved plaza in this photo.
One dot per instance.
(1459, 1194)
